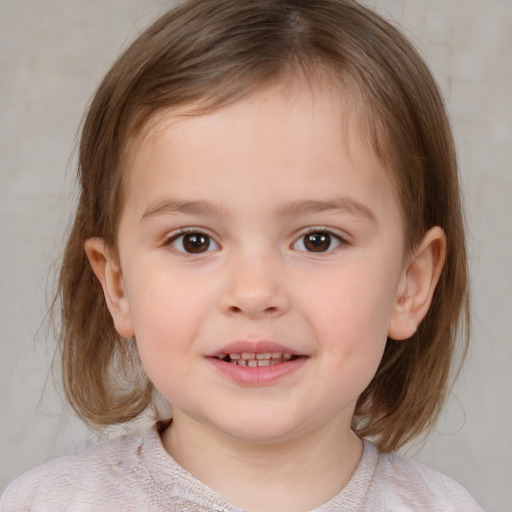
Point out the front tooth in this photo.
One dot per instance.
(277, 355)
(234, 356)
(241, 362)
(265, 355)
(252, 362)
(264, 362)
(247, 355)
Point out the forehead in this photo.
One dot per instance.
(294, 131)
(304, 99)
(318, 82)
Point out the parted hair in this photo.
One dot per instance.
(207, 54)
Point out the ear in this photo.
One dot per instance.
(418, 283)
(108, 271)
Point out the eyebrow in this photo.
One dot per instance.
(339, 205)
(173, 207)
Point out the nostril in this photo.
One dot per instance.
(271, 310)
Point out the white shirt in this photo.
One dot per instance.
(136, 473)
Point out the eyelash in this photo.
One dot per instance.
(322, 234)
(172, 240)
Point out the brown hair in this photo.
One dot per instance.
(214, 52)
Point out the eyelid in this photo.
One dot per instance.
(342, 239)
(176, 234)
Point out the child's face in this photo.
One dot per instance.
(266, 228)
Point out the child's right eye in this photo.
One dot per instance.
(193, 243)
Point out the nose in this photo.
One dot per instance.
(255, 288)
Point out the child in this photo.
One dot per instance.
(269, 233)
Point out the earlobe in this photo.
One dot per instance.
(418, 284)
(107, 270)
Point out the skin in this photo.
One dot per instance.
(255, 179)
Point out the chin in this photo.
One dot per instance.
(260, 431)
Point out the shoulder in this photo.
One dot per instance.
(403, 484)
(77, 482)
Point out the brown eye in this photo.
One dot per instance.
(193, 243)
(318, 241)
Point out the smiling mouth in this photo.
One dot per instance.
(257, 359)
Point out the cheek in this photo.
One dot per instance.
(356, 302)
(158, 297)
(352, 338)
(164, 338)
(350, 314)
(165, 318)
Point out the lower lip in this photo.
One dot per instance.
(257, 375)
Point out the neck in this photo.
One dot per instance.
(267, 477)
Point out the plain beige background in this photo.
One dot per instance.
(52, 55)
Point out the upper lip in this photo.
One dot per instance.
(252, 347)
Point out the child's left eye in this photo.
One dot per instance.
(317, 241)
